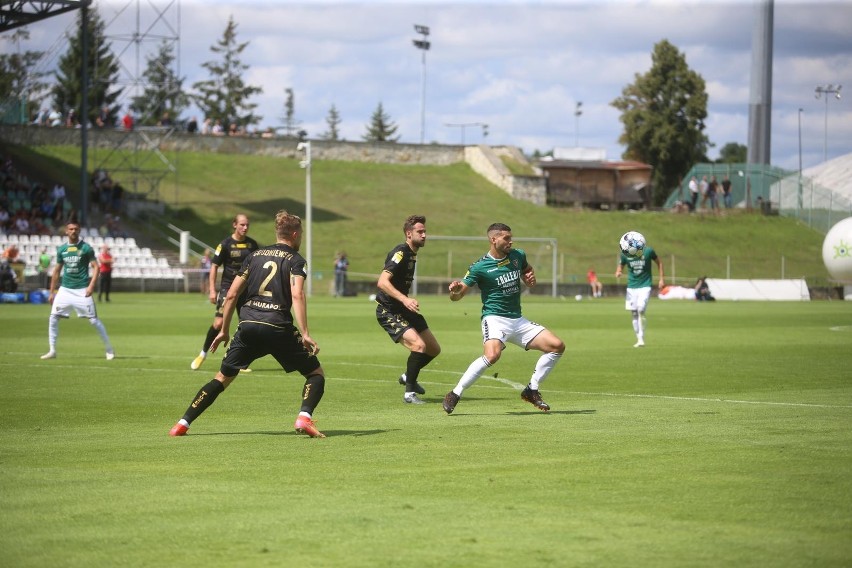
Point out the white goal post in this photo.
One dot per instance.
(550, 241)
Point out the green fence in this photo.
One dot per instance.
(773, 190)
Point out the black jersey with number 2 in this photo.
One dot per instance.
(267, 293)
(400, 263)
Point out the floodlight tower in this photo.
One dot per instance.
(819, 92)
(424, 46)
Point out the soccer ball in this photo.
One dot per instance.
(632, 243)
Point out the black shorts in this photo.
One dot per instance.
(396, 323)
(220, 304)
(255, 340)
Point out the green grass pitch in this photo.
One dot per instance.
(727, 441)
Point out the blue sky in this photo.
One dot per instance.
(519, 66)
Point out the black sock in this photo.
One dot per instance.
(312, 393)
(211, 335)
(203, 399)
(416, 361)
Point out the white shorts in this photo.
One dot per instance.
(519, 331)
(637, 299)
(67, 299)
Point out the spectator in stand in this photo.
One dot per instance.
(192, 126)
(207, 126)
(127, 121)
(10, 254)
(8, 277)
(71, 119)
(165, 120)
(22, 223)
(54, 118)
(5, 220)
(726, 192)
(702, 188)
(105, 260)
(117, 194)
(103, 121)
(712, 190)
(217, 128)
(58, 195)
(693, 193)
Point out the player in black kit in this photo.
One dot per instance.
(399, 314)
(273, 279)
(230, 255)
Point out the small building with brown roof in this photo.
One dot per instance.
(597, 184)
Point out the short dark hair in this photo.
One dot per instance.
(498, 227)
(411, 221)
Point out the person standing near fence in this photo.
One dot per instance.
(341, 266)
(727, 198)
(230, 254)
(105, 260)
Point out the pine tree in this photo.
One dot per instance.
(102, 65)
(291, 125)
(225, 95)
(663, 114)
(163, 92)
(333, 120)
(381, 129)
(21, 88)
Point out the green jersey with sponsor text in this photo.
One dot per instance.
(499, 282)
(639, 269)
(75, 259)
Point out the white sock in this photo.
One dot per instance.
(473, 372)
(184, 422)
(203, 354)
(102, 332)
(305, 414)
(52, 331)
(543, 367)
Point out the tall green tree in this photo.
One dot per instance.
(663, 114)
(103, 70)
(21, 86)
(333, 121)
(291, 125)
(381, 128)
(225, 96)
(733, 153)
(163, 90)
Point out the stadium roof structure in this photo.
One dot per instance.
(835, 175)
(19, 13)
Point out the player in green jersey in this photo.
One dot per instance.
(71, 287)
(499, 275)
(639, 279)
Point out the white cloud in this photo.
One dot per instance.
(519, 66)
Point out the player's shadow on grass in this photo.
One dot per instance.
(524, 413)
(328, 433)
